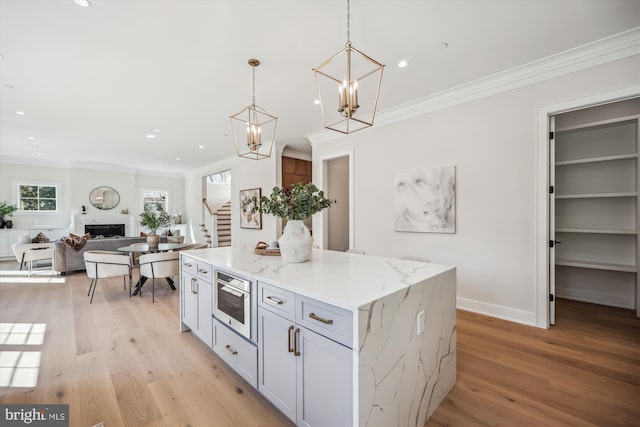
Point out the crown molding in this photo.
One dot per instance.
(599, 52)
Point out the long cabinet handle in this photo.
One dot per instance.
(289, 348)
(230, 350)
(320, 319)
(193, 290)
(296, 335)
(273, 300)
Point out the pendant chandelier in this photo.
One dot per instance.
(357, 79)
(254, 129)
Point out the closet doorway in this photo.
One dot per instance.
(593, 205)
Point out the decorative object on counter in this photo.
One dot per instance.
(295, 205)
(124, 211)
(249, 216)
(179, 218)
(425, 201)
(153, 221)
(262, 248)
(6, 209)
(84, 210)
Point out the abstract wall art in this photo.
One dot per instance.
(425, 201)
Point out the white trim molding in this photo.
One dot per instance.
(542, 187)
(499, 311)
(603, 51)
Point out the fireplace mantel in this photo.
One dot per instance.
(78, 221)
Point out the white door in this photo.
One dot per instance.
(552, 221)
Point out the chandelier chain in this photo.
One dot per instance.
(253, 67)
(348, 22)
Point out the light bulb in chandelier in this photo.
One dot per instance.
(348, 98)
(254, 136)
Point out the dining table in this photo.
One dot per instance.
(146, 249)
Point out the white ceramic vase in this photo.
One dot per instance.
(296, 241)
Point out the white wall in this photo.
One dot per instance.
(245, 174)
(76, 185)
(491, 142)
(10, 173)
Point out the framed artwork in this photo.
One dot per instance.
(249, 218)
(425, 201)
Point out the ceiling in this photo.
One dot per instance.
(93, 82)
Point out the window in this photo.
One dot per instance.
(33, 197)
(155, 200)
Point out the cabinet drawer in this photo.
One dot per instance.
(332, 322)
(277, 300)
(188, 264)
(239, 354)
(204, 271)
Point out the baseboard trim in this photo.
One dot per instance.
(498, 311)
(601, 298)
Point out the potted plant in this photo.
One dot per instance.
(153, 221)
(6, 209)
(295, 205)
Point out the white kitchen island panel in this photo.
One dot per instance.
(403, 324)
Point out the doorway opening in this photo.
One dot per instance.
(337, 228)
(581, 237)
(216, 209)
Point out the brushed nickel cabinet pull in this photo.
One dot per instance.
(296, 334)
(230, 350)
(274, 300)
(187, 264)
(193, 289)
(201, 271)
(289, 348)
(320, 319)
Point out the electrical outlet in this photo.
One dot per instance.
(420, 323)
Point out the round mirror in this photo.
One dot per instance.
(104, 198)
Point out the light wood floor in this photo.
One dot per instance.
(123, 362)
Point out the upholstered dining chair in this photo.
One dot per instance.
(103, 264)
(159, 265)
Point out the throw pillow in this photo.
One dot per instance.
(24, 239)
(40, 238)
(75, 236)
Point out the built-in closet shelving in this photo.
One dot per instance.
(596, 196)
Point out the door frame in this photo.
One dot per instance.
(321, 225)
(542, 186)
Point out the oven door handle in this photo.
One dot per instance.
(233, 291)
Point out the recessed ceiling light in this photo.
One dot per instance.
(177, 158)
(444, 45)
(32, 138)
(317, 102)
(38, 154)
(402, 64)
(20, 113)
(201, 147)
(150, 136)
(156, 130)
(82, 3)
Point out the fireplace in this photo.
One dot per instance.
(105, 230)
(80, 221)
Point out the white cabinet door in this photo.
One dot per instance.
(189, 301)
(324, 381)
(276, 363)
(205, 311)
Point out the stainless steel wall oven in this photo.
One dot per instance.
(233, 302)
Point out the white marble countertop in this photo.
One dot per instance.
(345, 280)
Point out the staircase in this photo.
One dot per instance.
(224, 225)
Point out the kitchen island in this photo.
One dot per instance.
(343, 339)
